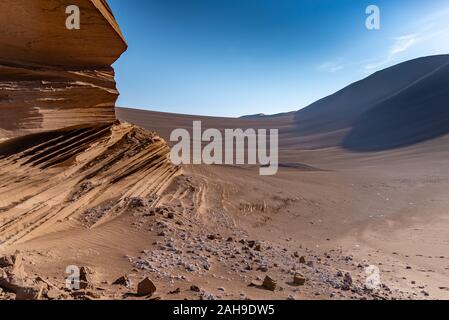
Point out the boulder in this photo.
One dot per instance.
(269, 283)
(299, 279)
(29, 292)
(195, 288)
(86, 278)
(347, 281)
(123, 281)
(54, 294)
(14, 279)
(146, 288)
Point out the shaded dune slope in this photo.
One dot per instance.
(395, 107)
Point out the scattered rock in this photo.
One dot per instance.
(299, 279)
(206, 266)
(80, 294)
(123, 281)
(94, 295)
(136, 202)
(195, 288)
(29, 292)
(86, 278)
(9, 260)
(146, 288)
(256, 283)
(54, 294)
(170, 215)
(176, 291)
(269, 283)
(263, 269)
(347, 282)
(14, 279)
(251, 243)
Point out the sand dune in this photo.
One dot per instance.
(364, 170)
(396, 107)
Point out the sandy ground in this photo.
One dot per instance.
(216, 232)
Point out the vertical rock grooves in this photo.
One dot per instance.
(64, 159)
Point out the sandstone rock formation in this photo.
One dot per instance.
(86, 174)
(14, 278)
(63, 155)
(52, 77)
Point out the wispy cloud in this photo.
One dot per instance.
(429, 28)
(401, 44)
(331, 66)
(440, 14)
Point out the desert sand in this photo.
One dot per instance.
(362, 186)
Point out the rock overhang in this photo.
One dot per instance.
(34, 32)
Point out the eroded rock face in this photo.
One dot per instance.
(52, 77)
(64, 149)
(88, 174)
(14, 279)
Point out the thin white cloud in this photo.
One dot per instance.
(440, 14)
(331, 66)
(430, 28)
(401, 44)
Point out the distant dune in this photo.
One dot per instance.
(396, 107)
(364, 170)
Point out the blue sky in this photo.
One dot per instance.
(237, 57)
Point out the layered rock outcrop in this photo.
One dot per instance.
(85, 173)
(52, 77)
(64, 157)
